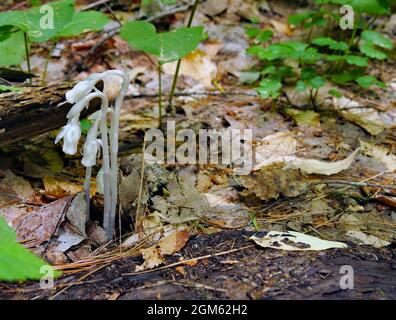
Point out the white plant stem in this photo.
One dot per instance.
(87, 189)
(115, 123)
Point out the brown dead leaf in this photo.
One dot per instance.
(39, 225)
(197, 65)
(15, 186)
(59, 189)
(152, 258)
(181, 270)
(174, 242)
(154, 255)
(272, 181)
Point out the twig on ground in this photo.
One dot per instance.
(187, 261)
(358, 184)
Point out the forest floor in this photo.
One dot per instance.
(212, 256)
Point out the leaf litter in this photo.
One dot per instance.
(297, 153)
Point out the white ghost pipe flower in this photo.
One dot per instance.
(91, 146)
(79, 91)
(107, 178)
(71, 134)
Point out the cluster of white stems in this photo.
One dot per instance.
(98, 137)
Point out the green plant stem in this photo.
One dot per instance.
(44, 76)
(26, 38)
(159, 95)
(350, 45)
(176, 76)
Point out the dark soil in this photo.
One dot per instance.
(251, 273)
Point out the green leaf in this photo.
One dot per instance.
(297, 19)
(347, 76)
(357, 61)
(335, 58)
(265, 36)
(6, 32)
(377, 39)
(331, 43)
(269, 70)
(284, 72)
(255, 50)
(275, 51)
(316, 21)
(35, 23)
(253, 32)
(270, 87)
(310, 55)
(369, 81)
(317, 82)
(6, 233)
(85, 125)
(335, 93)
(370, 51)
(376, 7)
(16, 262)
(12, 50)
(308, 73)
(9, 89)
(166, 46)
(301, 86)
(84, 22)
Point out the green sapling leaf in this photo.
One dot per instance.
(368, 81)
(357, 61)
(84, 22)
(167, 46)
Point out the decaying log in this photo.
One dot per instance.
(34, 111)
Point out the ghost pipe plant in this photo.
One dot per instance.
(107, 178)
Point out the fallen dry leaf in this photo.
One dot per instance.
(197, 65)
(15, 186)
(367, 118)
(295, 241)
(365, 239)
(59, 189)
(39, 225)
(312, 166)
(174, 242)
(277, 147)
(154, 255)
(152, 258)
(380, 154)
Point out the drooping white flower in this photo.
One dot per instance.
(80, 90)
(76, 109)
(90, 151)
(71, 134)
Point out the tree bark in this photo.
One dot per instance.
(35, 110)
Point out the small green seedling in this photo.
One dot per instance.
(308, 64)
(50, 22)
(165, 47)
(16, 262)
